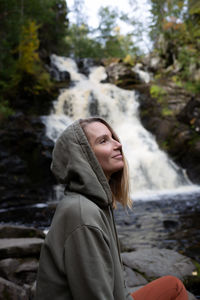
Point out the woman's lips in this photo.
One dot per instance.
(118, 156)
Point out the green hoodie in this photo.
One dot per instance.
(80, 257)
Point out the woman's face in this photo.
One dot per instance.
(105, 147)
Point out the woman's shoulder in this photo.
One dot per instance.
(75, 202)
(78, 208)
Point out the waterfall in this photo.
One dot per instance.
(151, 170)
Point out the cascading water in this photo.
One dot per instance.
(150, 168)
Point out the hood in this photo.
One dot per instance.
(75, 164)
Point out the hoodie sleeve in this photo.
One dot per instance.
(89, 265)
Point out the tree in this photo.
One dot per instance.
(54, 24)
(107, 23)
(194, 20)
(79, 14)
(44, 18)
(28, 48)
(80, 45)
(178, 25)
(114, 43)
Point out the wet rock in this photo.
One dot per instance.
(13, 231)
(84, 65)
(177, 133)
(25, 157)
(145, 265)
(19, 260)
(190, 114)
(122, 75)
(20, 271)
(9, 290)
(168, 224)
(57, 73)
(133, 278)
(20, 247)
(154, 263)
(154, 63)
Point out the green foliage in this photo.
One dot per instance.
(29, 63)
(29, 31)
(192, 86)
(194, 7)
(53, 27)
(80, 45)
(108, 21)
(50, 14)
(5, 111)
(157, 92)
(106, 41)
(114, 43)
(164, 145)
(187, 57)
(166, 112)
(177, 80)
(176, 35)
(158, 15)
(129, 60)
(28, 48)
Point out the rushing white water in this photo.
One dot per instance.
(151, 170)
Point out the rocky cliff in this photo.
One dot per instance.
(25, 157)
(167, 110)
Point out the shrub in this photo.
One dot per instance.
(157, 92)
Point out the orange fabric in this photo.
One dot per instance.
(164, 288)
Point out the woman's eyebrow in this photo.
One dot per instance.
(101, 137)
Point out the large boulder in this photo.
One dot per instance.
(144, 265)
(19, 270)
(154, 263)
(20, 247)
(11, 291)
(123, 75)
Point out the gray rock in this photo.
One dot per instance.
(9, 290)
(13, 231)
(155, 63)
(154, 263)
(120, 73)
(21, 247)
(33, 290)
(133, 279)
(19, 271)
(191, 296)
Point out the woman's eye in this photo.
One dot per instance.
(102, 141)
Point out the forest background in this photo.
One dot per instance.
(32, 30)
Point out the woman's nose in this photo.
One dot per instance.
(117, 145)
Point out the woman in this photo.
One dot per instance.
(80, 258)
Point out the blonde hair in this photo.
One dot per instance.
(119, 181)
